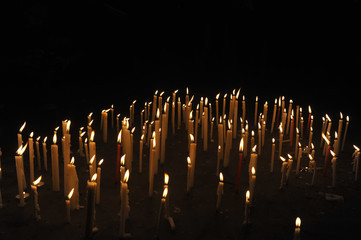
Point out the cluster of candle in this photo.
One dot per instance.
(154, 122)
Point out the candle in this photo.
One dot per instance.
(224, 104)
(344, 135)
(292, 129)
(299, 155)
(246, 208)
(90, 209)
(289, 167)
(239, 164)
(309, 118)
(38, 152)
(333, 165)
(312, 166)
(310, 138)
(67, 204)
(73, 183)
(141, 153)
(255, 111)
(235, 115)
(34, 187)
(252, 183)
(162, 204)
(205, 126)
(274, 115)
(253, 161)
(220, 135)
(124, 204)
(151, 164)
(157, 137)
(280, 140)
(20, 174)
(189, 173)
(45, 157)
(219, 191)
(339, 132)
(91, 166)
(283, 171)
(80, 140)
(297, 141)
(122, 167)
(219, 157)
(55, 164)
(179, 115)
(296, 235)
(259, 138)
(289, 114)
(217, 108)
(119, 141)
(278, 111)
(92, 148)
(243, 107)
(86, 150)
(211, 132)
(273, 155)
(163, 135)
(356, 158)
(265, 111)
(99, 171)
(192, 155)
(20, 137)
(327, 153)
(228, 145)
(31, 156)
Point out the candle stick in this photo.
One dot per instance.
(151, 164)
(219, 157)
(280, 142)
(255, 111)
(90, 210)
(259, 139)
(220, 135)
(92, 149)
(45, 156)
(205, 126)
(292, 129)
(289, 167)
(297, 141)
(163, 135)
(252, 161)
(67, 204)
(179, 115)
(119, 141)
(20, 175)
(219, 191)
(99, 171)
(246, 208)
(273, 155)
(80, 140)
(310, 138)
(31, 156)
(20, 137)
(124, 205)
(296, 235)
(283, 171)
(34, 187)
(192, 155)
(333, 164)
(228, 145)
(299, 155)
(356, 158)
(274, 115)
(344, 135)
(327, 153)
(309, 119)
(252, 183)
(141, 153)
(38, 152)
(312, 166)
(162, 204)
(224, 104)
(239, 164)
(278, 111)
(55, 164)
(235, 115)
(73, 182)
(243, 107)
(189, 173)
(289, 114)
(217, 108)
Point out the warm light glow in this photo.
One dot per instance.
(325, 138)
(289, 156)
(92, 160)
(70, 193)
(187, 91)
(281, 129)
(253, 171)
(256, 98)
(46, 138)
(309, 109)
(154, 143)
(254, 148)
(31, 134)
(328, 118)
(132, 131)
(54, 138)
(166, 179)
(248, 194)
(157, 115)
(100, 162)
(332, 153)
(92, 136)
(297, 131)
(191, 137)
(72, 161)
(341, 116)
(94, 177)
(273, 140)
(241, 145)
(206, 102)
(37, 181)
(252, 133)
(122, 160)
(221, 177)
(283, 159)
(217, 96)
(38, 138)
(336, 135)
(165, 192)
(191, 115)
(298, 222)
(126, 176)
(68, 126)
(310, 157)
(237, 95)
(119, 138)
(356, 148)
(189, 160)
(22, 127)
(347, 118)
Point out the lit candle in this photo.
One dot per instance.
(104, 115)
(297, 141)
(310, 137)
(189, 173)
(122, 167)
(38, 152)
(235, 115)
(20, 174)
(246, 208)
(274, 115)
(344, 135)
(280, 142)
(20, 136)
(192, 155)
(296, 235)
(252, 183)
(333, 164)
(90, 210)
(92, 148)
(179, 115)
(34, 187)
(219, 191)
(124, 204)
(45, 157)
(309, 119)
(292, 129)
(265, 111)
(224, 104)
(289, 114)
(86, 150)
(313, 169)
(327, 153)
(228, 145)
(255, 111)
(163, 135)
(259, 139)
(154, 106)
(205, 126)
(299, 155)
(55, 164)
(356, 158)
(289, 167)
(151, 164)
(239, 163)
(67, 204)
(80, 140)
(99, 171)
(162, 205)
(119, 141)
(253, 160)
(211, 130)
(283, 172)
(73, 182)
(31, 156)
(141, 153)
(273, 155)
(243, 107)
(278, 111)
(220, 135)
(217, 108)
(339, 132)
(219, 157)
(92, 169)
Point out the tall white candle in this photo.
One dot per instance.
(31, 156)
(45, 155)
(34, 187)
(219, 191)
(20, 174)
(55, 164)
(90, 209)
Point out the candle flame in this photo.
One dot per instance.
(37, 181)
(31, 134)
(46, 138)
(253, 171)
(328, 118)
(248, 194)
(54, 138)
(38, 138)
(165, 192)
(94, 177)
(310, 157)
(332, 153)
(356, 148)
(92, 136)
(282, 158)
(347, 118)
(22, 127)
(241, 145)
(237, 95)
(189, 160)
(254, 148)
(336, 135)
(122, 160)
(289, 156)
(119, 138)
(92, 160)
(191, 137)
(221, 177)
(68, 122)
(70, 193)
(206, 102)
(90, 123)
(100, 162)
(273, 140)
(325, 138)
(132, 131)
(72, 161)
(166, 179)
(154, 143)
(126, 176)
(217, 96)
(157, 115)
(341, 116)
(298, 222)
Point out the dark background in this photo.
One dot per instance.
(62, 57)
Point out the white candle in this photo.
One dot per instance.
(219, 191)
(312, 166)
(296, 235)
(99, 171)
(283, 171)
(192, 155)
(67, 204)
(141, 153)
(220, 135)
(90, 210)
(356, 158)
(273, 155)
(255, 111)
(45, 155)
(31, 156)
(73, 183)
(246, 208)
(55, 164)
(253, 160)
(274, 115)
(205, 126)
(20, 137)
(299, 155)
(20, 174)
(243, 107)
(34, 187)
(151, 164)
(252, 183)
(217, 108)
(333, 164)
(344, 135)
(38, 152)
(124, 204)
(289, 166)
(189, 173)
